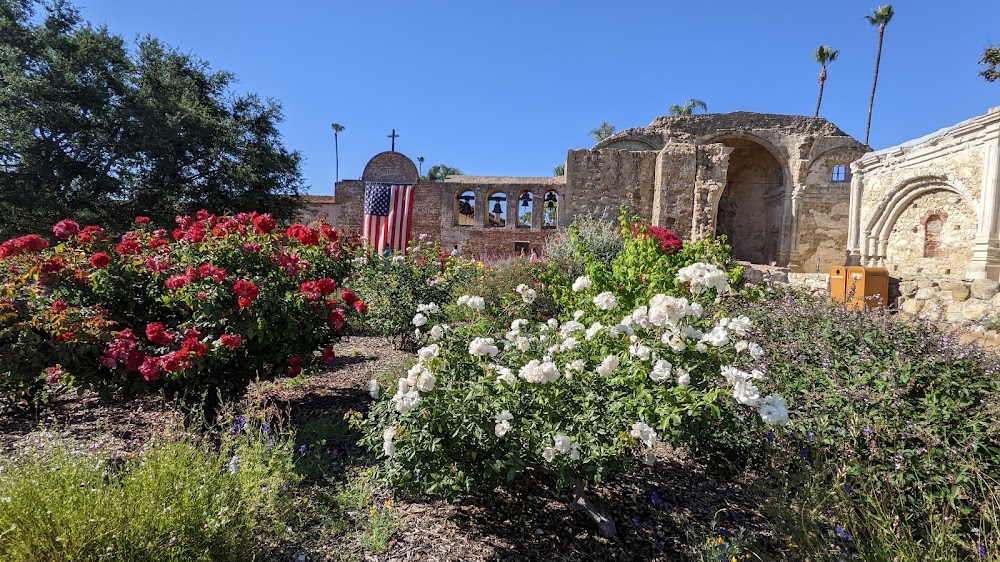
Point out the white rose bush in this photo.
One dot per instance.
(578, 398)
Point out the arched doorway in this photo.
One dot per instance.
(751, 207)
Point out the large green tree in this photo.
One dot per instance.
(990, 58)
(96, 130)
(880, 17)
(824, 55)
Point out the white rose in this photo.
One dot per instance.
(581, 284)
(481, 347)
(661, 371)
(562, 443)
(419, 320)
(644, 433)
(373, 388)
(683, 378)
(549, 454)
(608, 365)
(502, 421)
(429, 352)
(605, 301)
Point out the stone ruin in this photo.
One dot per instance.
(790, 193)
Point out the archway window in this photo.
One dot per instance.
(497, 214)
(465, 209)
(932, 236)
(525, 208)
(550, 209)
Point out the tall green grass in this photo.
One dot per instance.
(175, 499)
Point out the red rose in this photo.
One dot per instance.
(231, 341)
(203, 214)
(53, 265)
(65, 228)
(141, 220)
(326, 286)
(246, 291)
(311, 290)
(305, 235)
(337, 319)
(100, 260)
(134, 359)
(150, 368)
(348, 296)
(193, 346)
(23, 245)
(361, 307)
(208, 270)
(175, 361)
(58, 306)
(127, 247)
(177, 281)
(293, 371)
(328, 355)
(92, 233)
(264, 223)
(157, 333)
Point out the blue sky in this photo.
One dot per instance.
(507, 88)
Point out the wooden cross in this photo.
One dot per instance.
(393, 136)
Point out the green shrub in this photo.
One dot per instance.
(394, 286)
(220, 302)
(170, 499)
(499, 284)
(894, 424)
(585, 239)
(576, 399)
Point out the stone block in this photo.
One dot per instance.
(926, 283)
(908, 288)
(976, 309)
(912, 307)
(985, 289)
(925, 293)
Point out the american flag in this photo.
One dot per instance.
(388, 215)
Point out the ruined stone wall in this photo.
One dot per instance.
(822, 230)
(936, 180)
(426, 207)
(713, 168)
(933, 235)
(319, 208)
(598, 182)
(491, 235)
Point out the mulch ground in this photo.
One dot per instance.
(658, 510)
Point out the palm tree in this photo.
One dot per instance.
(824, 55)
(881, 18)
(688, 108)
(337, 128)
(420, 169)
(604, 131)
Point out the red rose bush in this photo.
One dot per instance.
(208, 306)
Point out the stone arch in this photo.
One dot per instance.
(897, 199)
(550, 209)
(464, 207)
(525, 209)
(496, 209)
(629, 143)
(749, 210)
(913, 232)
(390, 167)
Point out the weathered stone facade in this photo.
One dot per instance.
(931, 206)
(769, 182)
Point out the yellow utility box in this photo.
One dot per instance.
(838, 283)
(867, 287)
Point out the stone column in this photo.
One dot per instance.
(854, 220)
(985, 261)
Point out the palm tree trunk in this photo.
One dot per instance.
(871, 101)
(822, 81)
(336, 151)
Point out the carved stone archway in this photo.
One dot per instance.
(750, 209)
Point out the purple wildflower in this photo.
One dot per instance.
(656, 499)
